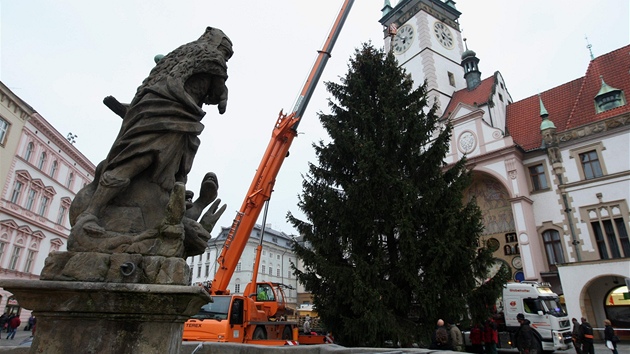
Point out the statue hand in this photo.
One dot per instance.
(210, 218)
(209, 189)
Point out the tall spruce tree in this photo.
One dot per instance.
(389, 245)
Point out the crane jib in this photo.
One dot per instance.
(285, 130)
(320, 63)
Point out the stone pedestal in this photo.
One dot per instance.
(94, 317)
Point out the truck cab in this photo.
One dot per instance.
(541, 306)
(244, 319)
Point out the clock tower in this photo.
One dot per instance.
(427, 43)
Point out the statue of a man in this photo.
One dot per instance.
(154, 150)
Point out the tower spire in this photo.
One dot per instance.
(589, 46)
(543, 111)
(471, 68)
(387, 7)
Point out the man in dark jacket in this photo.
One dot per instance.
(575, 335)
(586, 330)
(524, 336)
(440, 338)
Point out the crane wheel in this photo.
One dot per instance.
(259, 334)
(287, 333)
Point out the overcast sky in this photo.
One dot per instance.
(62, 57)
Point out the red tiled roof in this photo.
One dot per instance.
(572, 104)
(475, 97)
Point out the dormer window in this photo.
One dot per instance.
(608, 98)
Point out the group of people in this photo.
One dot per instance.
(484, 338)
(582, 336)
(11, 322)
(447, 336)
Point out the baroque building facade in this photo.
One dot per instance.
(44, 171)
(551, 172)
(275, 263)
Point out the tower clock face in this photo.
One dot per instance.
(403, 39)
(443, 35)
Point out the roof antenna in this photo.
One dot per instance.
(589, 46)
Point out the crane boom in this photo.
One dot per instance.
(284, 131)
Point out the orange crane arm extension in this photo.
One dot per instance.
(284, 131)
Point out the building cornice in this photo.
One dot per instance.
(20, 108)
(50, 132)
(406, 9)
(512, 150)
(594, 128)
(6, 209)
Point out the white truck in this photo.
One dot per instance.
(541, 306)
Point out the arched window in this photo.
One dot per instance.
(553, 247)
(70, 180)
(42, 161)
(29, 151)
(53, 168)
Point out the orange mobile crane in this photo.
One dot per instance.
(257, 316)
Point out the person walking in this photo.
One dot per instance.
(586, 331)
(476, 339)
(524, 337)
(307, 325)
(490, 336)
(14, 324)
(576, 336)
(3, 322)
(32, 324)
(457, 339)
(610, 337)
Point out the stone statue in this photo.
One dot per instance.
(137, 203)
(123, 285)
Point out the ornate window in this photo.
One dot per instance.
(608, 98)
(609, 229)
(43, 206)
(538, 177)
(238, 267)
(30, 259)
(589, 161)
(42, 161)
(63, 210)
(55, 244)
(53, 168)
(237, 288)
(15, 257)
(70, 180)
(62, 214)
(207, 270)
(4, 130)
(29, 151)
(590, 165)
(3, 246)
(17, 189)
(30, 199)
(553, 247)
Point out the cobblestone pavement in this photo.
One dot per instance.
(600, 347)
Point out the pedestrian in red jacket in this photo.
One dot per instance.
(14, 323)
